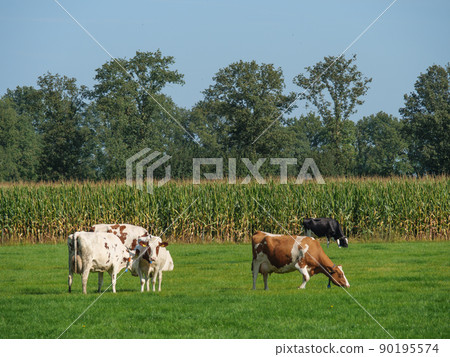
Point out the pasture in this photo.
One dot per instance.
(405, 286)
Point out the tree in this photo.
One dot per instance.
(335, 87)
(242, 106)
(19, 148)
(426, 119)
(133, 112)
(27, 101)
(381, 149)
(64, 130)
(22, 111)
(306, 135)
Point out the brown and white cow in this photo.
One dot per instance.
(152, 258)
(96, 252)
(128, 233)
(275, 253)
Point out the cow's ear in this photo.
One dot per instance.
(163, 244)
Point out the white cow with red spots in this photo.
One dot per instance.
(96, 252)
(152, 258)
(128, 233)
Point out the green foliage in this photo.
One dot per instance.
(63, 129)
(391, 209)
(381, 148)
(245, 101)
(133, 112)
(307, 135)
(19, 146)
(27, 101)
(335, 88)
(426, 118)
(208, 295)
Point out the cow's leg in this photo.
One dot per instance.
(328, 242)
(304, 271)
(265, 276)
(153, 275)
(309, 232)
(84, 278)
(159, 279)
(255, 270)
(100, 281)
(70, 278)
(142, 279)
(147, 282)
(114, 280)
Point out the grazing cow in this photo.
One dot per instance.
(96, 252)
(128, 234)
(326, 227)
(274, 253)
(152, 259)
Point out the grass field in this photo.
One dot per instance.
(405, 286)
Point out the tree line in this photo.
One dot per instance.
(60, 130)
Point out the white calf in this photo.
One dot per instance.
(153, 259)
(96, 252)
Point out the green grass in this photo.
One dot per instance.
(405, 286)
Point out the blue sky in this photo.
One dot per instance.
(204, 36)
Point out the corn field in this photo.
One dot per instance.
(368, 209)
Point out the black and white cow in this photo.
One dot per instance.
(326, 227)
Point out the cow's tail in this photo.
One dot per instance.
(77, 263)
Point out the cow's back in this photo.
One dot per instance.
(127, 233)
(168, 261)
(258, 237)
(277, 253)
(315, 257)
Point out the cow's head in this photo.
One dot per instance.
(152, 245)
(154, 249)
(342, 242)
(338, 277)
(142, 251)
